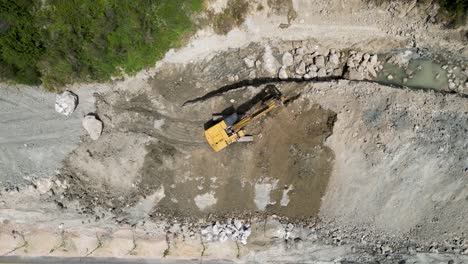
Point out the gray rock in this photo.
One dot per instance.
(371, 71)
(93, 126)
(301, 68)
(287, 59)
(283, 74)
(350, 63)
(338, 72)
(320, 61)
(308, 58)
(366, 57)
(353, 74)
(299, 51)
(333, 59)
(451, 85)
(312, 68)
(66, 102)
(313, 75)
(374, 60)
(250, 63)
(322, 73)
(258, 64)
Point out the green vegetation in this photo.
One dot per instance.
(20, 42)
(455, 10)
(61, 41)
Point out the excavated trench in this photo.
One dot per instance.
(285, 171)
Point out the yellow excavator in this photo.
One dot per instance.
(230, 128)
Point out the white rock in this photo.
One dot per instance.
(390, 77)
(313, 75)
(322, 73)
(250, 63)
(238, 224)
(282, 74)
(66, 102)
(320, 61)
(299, 51)
(333, 59)
(93, 126)
(350, 63)
(287, 59)
(371, 71)
(451, 85)
(312, 68)
(300, 68)
(366, 57)
(374, 59)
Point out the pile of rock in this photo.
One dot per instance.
(299, 63)
(457, 78)
(362, 66)
(233, 229)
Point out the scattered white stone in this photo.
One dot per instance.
(283, 74)
(234, 229)
(66, 102)
(93, 126)
(390, 77)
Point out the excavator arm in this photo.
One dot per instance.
(222, 135)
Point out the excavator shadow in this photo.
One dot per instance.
(265, 94)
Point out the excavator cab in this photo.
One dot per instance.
(230, 128)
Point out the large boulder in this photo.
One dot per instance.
(93, 126)
(66, 102)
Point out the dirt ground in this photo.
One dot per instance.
(361, 171)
